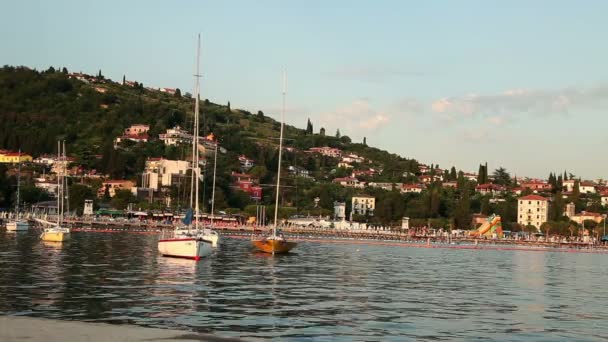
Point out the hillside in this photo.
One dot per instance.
(88, 112)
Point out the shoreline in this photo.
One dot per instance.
(396, 240)
(406, 244)
(25, 328)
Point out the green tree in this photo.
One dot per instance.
(453, 175)
(309, 127)
(78, 194)
(364, 141)
(502, 177)
(260, 116)
(178, 93)
(322, 132)
(338, 133)
(122, 198)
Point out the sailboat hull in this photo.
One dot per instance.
(55, 236)
(212, 236)
(17, 226)
(189, 248)
(274, 246)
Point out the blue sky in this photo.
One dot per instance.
(518, 84)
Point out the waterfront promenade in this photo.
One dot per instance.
(13, 328)
(300, 233)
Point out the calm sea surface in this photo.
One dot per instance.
(322, 291)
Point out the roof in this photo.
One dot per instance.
(14, 154)
(588, 213)
(533, 198)
(344, 179)
(117, 181)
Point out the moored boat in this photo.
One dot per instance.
(276, 243)
(57, 232)
(18, 225)
(187, 241)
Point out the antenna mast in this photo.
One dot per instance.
(276, 203)
(195, 137)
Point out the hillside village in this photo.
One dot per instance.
(140, 166)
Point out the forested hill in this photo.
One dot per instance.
(38, 108)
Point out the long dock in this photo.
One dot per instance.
(18, 328)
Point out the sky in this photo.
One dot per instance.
(517, 84)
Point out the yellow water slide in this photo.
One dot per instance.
(489, 227)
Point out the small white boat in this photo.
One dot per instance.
(185, 243)
(17, 226)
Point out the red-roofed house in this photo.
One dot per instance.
(247, 183)
(326, 151)
(587, 187)
(532, 210)
(170, 91)
(536, 186)
(411, 188)
(347, 181)
(587, 215)
(490, 189)
(114, 185)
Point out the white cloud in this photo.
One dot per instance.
(517, 102)
(355, 118)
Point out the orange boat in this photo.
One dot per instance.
(276, 243)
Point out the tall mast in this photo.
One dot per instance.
(18, 186)
(65, 180)
(196, 128)
(276, 203)
(213, 190)
(59, 194)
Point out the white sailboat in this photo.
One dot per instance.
(17, 224)
(187, 242)
(276, 243)
(57, 232)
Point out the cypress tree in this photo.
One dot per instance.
(453, 174)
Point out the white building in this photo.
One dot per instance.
(45, 160)
(175, 136)
(415, 188)
(352, 158)
(605, 198)
(340, 210)
(161, 172)
(532, 210)
(363, 205)
(587, 188)
(88, 207)
(570, 209)
(568, 185)
(384, 185)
